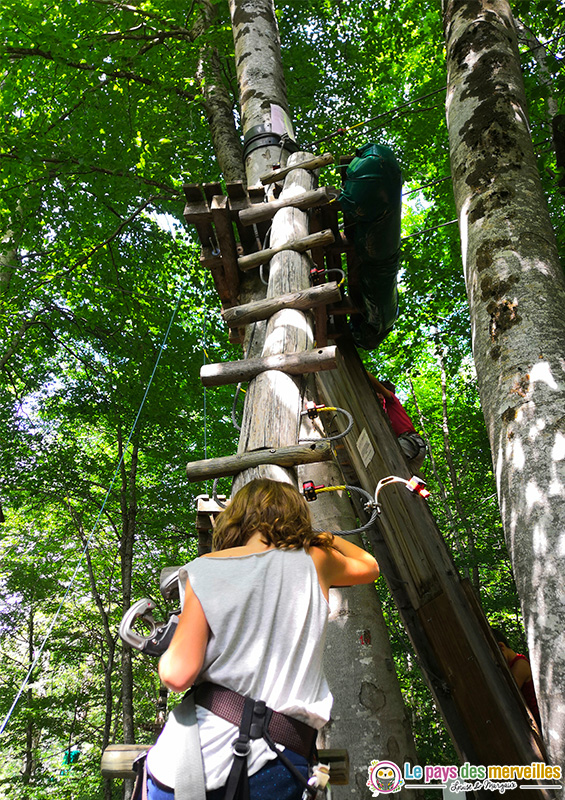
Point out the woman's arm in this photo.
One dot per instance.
(346, 565)
(181, 663)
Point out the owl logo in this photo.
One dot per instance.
(384, 777)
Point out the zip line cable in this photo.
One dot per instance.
(97, 520)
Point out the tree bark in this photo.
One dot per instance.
(219, 106)
(516, 295)
(262, 88)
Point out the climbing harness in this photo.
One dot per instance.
(253, 718)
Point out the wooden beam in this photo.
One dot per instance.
(263, 309)
(117, 761)
(308, 163)
(282, 457)
(263, 211)
(294, 364)
(297, 245)
(221, 218)
(486, 724)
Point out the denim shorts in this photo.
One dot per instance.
(273, 782)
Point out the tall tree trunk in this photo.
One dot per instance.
(219, 105)
(369, 716)
(262, 88)
(516, 295)
(128, 505)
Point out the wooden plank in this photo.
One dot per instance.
(283, 457)
(308, 163)
(211, 190)
(297, 245)
(263, 309)
(302, 200)
(478, 700)
(294, 364)
(238, 201)
(221, 218)
(117, 761)
(442, 623)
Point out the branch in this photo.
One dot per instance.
(107, 241)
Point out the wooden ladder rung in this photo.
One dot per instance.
(282, 456)
(117, 762)
(308, 361)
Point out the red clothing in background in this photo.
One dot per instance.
(399, 419)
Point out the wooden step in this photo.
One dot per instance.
(309, 163)
(294, 364)
(298, 245)
(117, 762)
(263, 309)
(282, 457)
(303, 200)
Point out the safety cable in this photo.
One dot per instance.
(97, 520)
(342, 131)
(215, 497)
(312, 412)
(310, 492)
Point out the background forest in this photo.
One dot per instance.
(107, 317)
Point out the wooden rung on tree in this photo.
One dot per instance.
(294, 364)
(298, 245)
(263, 309)
(117, 762)
(283, 457)
(263, 211)
(309, 163)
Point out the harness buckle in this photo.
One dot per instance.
(241, 746)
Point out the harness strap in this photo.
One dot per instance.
(189, 775)
(281, 728)
(256, 721)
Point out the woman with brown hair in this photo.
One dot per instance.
(251, 638)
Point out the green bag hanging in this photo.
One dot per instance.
(371, 200)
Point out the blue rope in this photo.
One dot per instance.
(85, 548)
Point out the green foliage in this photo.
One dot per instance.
(103, 122)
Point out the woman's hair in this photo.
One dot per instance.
(500, 636)
(277, 510)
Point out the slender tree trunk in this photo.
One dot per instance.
(219, 106)
(442, 490)
(516, 295)
(128, 504)
(28, 757)
(455, 486)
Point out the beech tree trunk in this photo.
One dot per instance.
(516, 295)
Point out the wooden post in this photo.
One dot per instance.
(288, 331)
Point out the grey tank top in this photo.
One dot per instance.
(267, 616)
